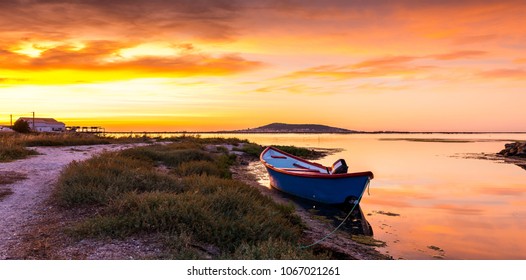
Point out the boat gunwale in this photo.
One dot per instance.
(310, 174)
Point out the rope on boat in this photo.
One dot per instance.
(338, 227)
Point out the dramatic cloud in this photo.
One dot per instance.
(419, 55)
(96, 56)
(132, 19)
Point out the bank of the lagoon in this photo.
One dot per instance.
(434, 196)
(179, 198)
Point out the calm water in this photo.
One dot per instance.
(450, 206)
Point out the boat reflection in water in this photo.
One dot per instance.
(356, 224)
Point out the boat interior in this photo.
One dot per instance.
(291, 164)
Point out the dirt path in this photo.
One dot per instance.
(25, 205)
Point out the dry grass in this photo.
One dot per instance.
(10, 151)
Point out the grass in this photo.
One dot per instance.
(199, 167)
(255, 150)
(106, 177)
(13, 146)
(62, 139)
(197, 209)
(171, 155)
(10, 151)
(226, 217)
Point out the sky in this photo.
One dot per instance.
(200, 65)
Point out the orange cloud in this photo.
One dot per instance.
(459, 55)
(383, 67)
(380, 67)
(97, 56)
(505, 73)
(497, 191)
(395, 61)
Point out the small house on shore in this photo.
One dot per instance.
(45, 124)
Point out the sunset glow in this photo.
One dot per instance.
(212, 65)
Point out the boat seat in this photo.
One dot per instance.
(301, 170)
(339, 167)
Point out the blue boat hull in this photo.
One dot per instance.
(325, 190)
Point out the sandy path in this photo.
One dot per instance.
(25, 206)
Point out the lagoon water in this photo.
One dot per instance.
(451, 203)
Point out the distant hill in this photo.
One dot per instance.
(296, 128)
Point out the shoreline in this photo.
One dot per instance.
(339, 242)
(33, 226)
(302, 132)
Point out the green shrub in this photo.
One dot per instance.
(221, 212)
(10, 151)
(301, 152)
(181, 246)
(107, 176)
(255, 150)
(169, 155)
(271, 250)
(200, 167)
(200, 208)
(251, 149)
(21, 126)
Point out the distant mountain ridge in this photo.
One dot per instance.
(296, 128)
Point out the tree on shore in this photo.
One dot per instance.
(21, 126)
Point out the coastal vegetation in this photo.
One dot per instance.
(21, 126)
(10, 150)
(14, 146)
(255, 150)
(183, 192)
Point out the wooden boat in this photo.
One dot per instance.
(310, 180)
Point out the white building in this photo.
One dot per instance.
(45, 125)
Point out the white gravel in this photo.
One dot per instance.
(25, 206)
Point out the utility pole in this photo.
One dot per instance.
(11, 116)
(33, 121)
